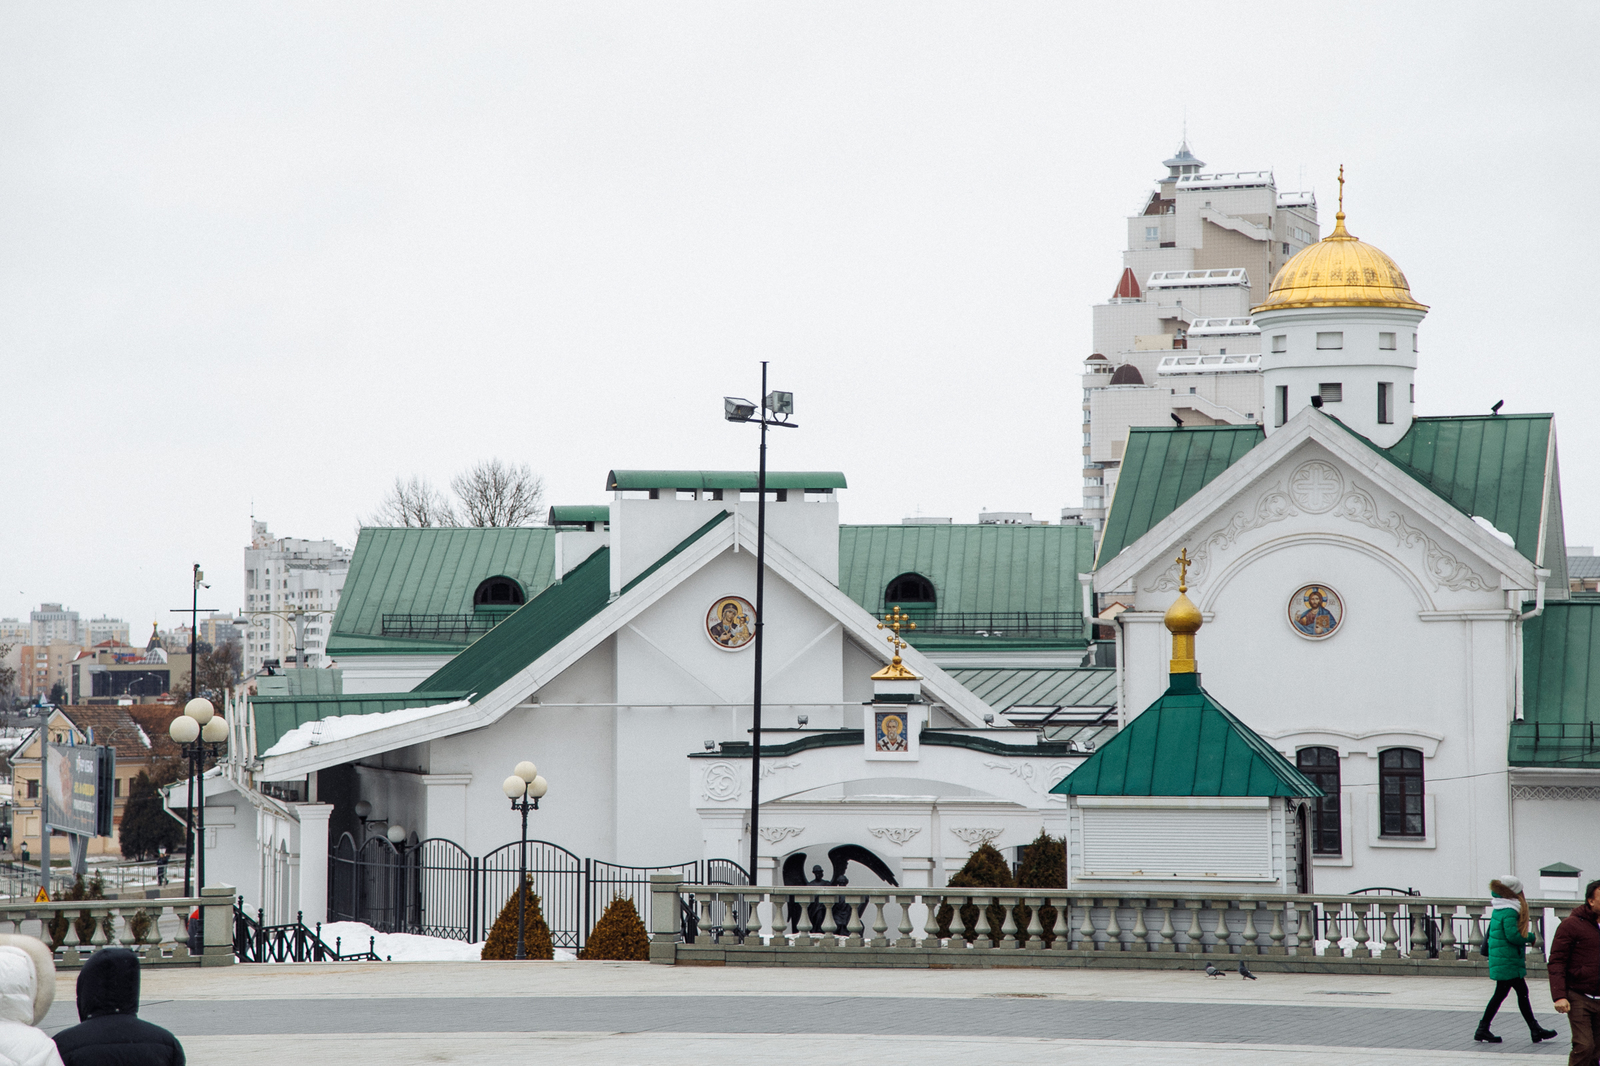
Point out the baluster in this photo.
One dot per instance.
(804, 939)
(930, 921)
(1008, 923)
(1169, 933)
(1305, 932)
(981, 931)
(1390, 935)
(1418, 917)
(1035, 926)
(858, 910)
(69, 942)
(1475, 940)
(1196, 933)
(832, 935)
(1063, 916)
(702, 933)
(1362, 949)
(1086, 930)
(1447, 934)
(1251, 933)
(1113, 929)
(778, 916)
(1141, 932)
(904, 928)
(1277, 933)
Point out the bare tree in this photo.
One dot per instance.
(413, 504)
(496, 493)
(8, 676)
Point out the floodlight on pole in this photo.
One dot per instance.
(736, 409)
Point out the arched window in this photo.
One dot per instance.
(498, 592)
(1400, 792)
(1321, 765)
(909, 589)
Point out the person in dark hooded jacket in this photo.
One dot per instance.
(109, 1032)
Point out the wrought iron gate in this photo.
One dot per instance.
(434, 887)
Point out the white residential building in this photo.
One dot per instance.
(291, 589)
(99, 630)
(1176, 338)
(52, 623)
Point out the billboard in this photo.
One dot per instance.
(78, 784)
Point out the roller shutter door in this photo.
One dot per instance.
(1177, 843)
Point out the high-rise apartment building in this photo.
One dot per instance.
(53, 623)
(99, 630)
(1175, 338)
(291, 589)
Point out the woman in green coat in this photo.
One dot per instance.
(1506, 943)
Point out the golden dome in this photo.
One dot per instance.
(1183, 616)
(1339, 271)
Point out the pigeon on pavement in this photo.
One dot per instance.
(1212, 971)
(1244, 972)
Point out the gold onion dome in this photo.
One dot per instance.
(1183, 620)
(1339, 271)
(1183, 617)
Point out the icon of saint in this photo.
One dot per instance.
(892, 733)
(1316, 620)
(732, 628)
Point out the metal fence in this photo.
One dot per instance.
(436, 888)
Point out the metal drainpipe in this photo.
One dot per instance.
(1122, 677)
(1538, 603)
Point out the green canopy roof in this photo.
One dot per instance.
(1186, 744)
(1560, 724)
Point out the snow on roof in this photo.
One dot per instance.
(345, 726)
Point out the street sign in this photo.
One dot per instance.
(42, 897)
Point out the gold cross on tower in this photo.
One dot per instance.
(1183, 562)
(1341, 188)
(897, 620)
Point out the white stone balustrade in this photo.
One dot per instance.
(1321, 932)
(161, 936)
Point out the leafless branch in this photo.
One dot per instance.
(413, 504)
(496, 493)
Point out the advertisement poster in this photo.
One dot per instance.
(77, 782)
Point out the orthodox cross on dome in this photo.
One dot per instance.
(895, 621)
(1183, 562)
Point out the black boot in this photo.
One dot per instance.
(1484, 1036)
(1541, 1033)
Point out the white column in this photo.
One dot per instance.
(444, 811)
(314, 860)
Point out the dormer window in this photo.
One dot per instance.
(909, 590)
(500, 591)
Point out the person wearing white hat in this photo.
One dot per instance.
(27, 988)
(1506, 944)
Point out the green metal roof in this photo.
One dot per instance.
(578, 514)
(1002, 689)
(744, 480)
(976, 570)
(1492, 466)
(276, 715)
(1162, 466)
(431, 572)
(1561, 688)
(542, 623)
(1186, 744)
(301, 682)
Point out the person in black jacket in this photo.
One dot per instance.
(109, 1032)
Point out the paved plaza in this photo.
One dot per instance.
(608, 1014)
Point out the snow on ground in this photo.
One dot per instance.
(407, 947)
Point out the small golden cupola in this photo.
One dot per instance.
(1183, 620)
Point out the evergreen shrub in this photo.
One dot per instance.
(618, 935)
(502, 942)
(985, 868)
(1044, 865)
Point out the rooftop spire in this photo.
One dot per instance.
(1339, 232)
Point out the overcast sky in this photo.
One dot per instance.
(273, 255)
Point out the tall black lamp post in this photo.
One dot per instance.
(196, 729)
(779, 405)
(524, 789)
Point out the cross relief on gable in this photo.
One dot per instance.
(1317, 487)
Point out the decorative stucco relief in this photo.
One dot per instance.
(975, 836)
(720, 783)
(772, 834)
(1022, 771)
(895, 834)
(1555, 792)
(1317, 487)
(770, 768)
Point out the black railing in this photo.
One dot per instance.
(434, 887)
(469, 626)
(256, 941)
(998, 625)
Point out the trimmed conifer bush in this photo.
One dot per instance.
(985, 868)
(618, 935)
(1044, 865)
(502, 942)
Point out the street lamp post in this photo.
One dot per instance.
(735, 409)
(397, 836)
(198, 726)
(524, 788)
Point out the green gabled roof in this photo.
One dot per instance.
(973, 568)
(301, 682)
(743, 480)
(276, 715)
(1161, 468)
(541, 624)
(1186, 744)
(1491, 466)
(1561, 688)
(1002, 689)
(431, 572)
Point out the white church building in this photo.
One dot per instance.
(1384, 600)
